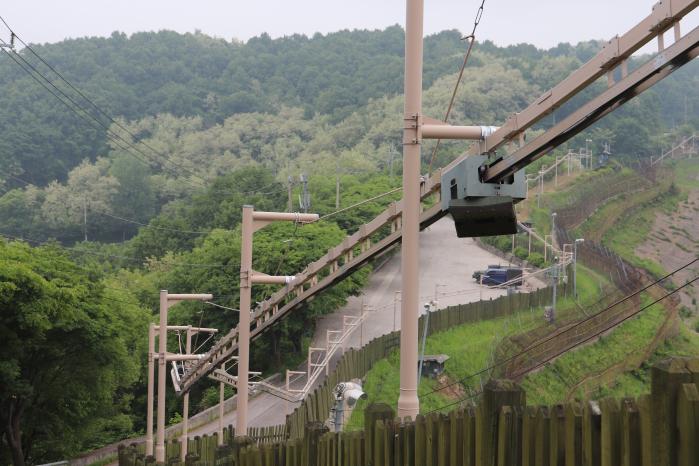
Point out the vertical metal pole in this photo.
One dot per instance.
(162, 366)
(361, 325)
(151, 381)
(408, 403)
(395, 308)
(85, 217)
(575, 270)
(241, 421)
(221, 401)
(185, 405)
(337, 191)
(555, 285)
(424, 341)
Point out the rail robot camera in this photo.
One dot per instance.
(478, 208)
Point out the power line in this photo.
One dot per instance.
(554, 335)
(563, 351)
(366, 201)
(145, 225)
(110, 136)
(105, 114)
(110, 133)
(113, 256)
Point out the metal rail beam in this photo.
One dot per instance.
(624, 90)
(266, 316)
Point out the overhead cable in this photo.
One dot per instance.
(555, 355)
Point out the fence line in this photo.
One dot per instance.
(660, 428)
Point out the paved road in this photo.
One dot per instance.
(445, 260)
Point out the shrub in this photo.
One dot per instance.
(521, 253)
(536, 259)
(685, 312)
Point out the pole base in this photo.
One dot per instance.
(408, 405)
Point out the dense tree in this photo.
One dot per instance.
(70, 350)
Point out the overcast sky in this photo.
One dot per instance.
(544, 23)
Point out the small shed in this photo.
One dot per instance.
(433, 364)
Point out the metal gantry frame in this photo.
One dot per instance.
(163, 357)
(406, 217)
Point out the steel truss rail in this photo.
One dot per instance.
(372, 239)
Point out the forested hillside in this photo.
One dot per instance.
(211, 125)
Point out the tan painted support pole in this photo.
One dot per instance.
(241, 420)
(162, 366)
(221, 411)
(185, 405)
(253, 221)
(165, 300)
(149, 397)
(408, 403)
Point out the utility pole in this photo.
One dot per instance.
(541, 186)
(575, 266)
(555, 286)
(305, 200)
(392, 153)
(253, 221)
(408, 403)
(337, 186)
(85, 216)
(290, 186)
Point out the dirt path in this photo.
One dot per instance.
(674, 241)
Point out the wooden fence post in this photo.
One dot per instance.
(496, 394)
(688, 425)
(592, 425)
(558, 436)
(667, 378)
(374, 412)
(573, 443)
(529, 422)
(630, 433)
(610, 443)
(311, 438)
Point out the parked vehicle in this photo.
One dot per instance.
(497, 275)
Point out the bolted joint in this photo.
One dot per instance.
(245, 279)
(412, 129)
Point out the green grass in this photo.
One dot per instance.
(551, 384)
(637, 381)
(687, 173)
(470, 348)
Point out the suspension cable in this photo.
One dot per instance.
(472, 40)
